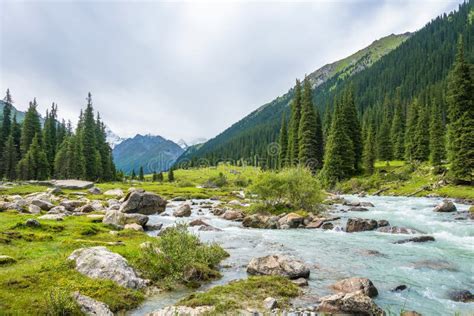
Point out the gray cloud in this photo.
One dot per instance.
(183, 69)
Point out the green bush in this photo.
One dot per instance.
(295, 186)
(216, 182)
(59, 302)
(179, 256)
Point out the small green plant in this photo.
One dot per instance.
(59, 302)
(218, 181)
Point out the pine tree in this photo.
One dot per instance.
(339, 153)
(327, 123)
(50, 136)
(293, 146)
(368, 157)
(397, 130)
(437, 141)
(160, 177)
(88, 140)
(34, 165)
(154, 176)
(141, 175)
(319, 139)
(308, 146)
(412, 121)
(171, 175)
(422, 136)
(460, 97)
(10, 159)
(283, 142)
(31, 127)
(133, 176)
(384, 143)
(16, 134)
(6, 121)
(62, 164)
(352, 126)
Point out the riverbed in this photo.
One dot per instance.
(430, 270)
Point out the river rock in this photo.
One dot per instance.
(139, 219)
(382, 223)
(133, 226)
(94, 190)
(90, 306)
(360, 224)
(327, 226)
(300, 282)
(355, 284)
(114, 192)
(416, 239)
(209, 228)
(44, 205)
(71, 205)
(439, 265)
(270, 303)
(445, 206)
(358, 209)
(399, 288)
(183, 211)
(233, 215)
(182, 311)
(198, 222)
(464, 296)
(147, 203)
(34, 209)
(278, 265)
(349, 303)
(410, 313)
(101, 263)
(53, 217)
(293, 220)
(255, 221)
(397, 230)
(72, 184)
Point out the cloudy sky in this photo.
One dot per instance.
(183, 69)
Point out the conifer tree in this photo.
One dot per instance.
(31, 127)
(133, 176)
(160, 177)
(34, 165)
(50, 136)
(352, 126)
(327, 123)
(141, 175)
(283, 142)
(154, 176)
(293, 146)
(62, 164)
(397, 130)
(6, 120)
(368, 157)
(10, 159)
(437, 142)
(16, 134)
(319, 139)
(422, 137)
(412, 121)
(87, 133)
(384, 143)
(339, 153)
(171, 175)
(308, 146)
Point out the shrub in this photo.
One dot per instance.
(216, 182)
(241, 181)
(179, 256)
(59, 302)
(296, 186)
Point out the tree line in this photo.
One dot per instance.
(440, 131)
(31, 150)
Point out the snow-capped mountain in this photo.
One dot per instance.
(186, 144)
(112, 138)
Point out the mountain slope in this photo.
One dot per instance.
(251, 135)
(19, 114)
(153, 153)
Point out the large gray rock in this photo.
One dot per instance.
(95, 190)
(182, 311)
(355, 303)
(53, 217)
(416, 239)
(278, 265)
(114, 218)
(71, 205)
(233, 215)
(350, 285)
(91, 307)
(139, 219)
(44, 205)
(147, 203)
(292, 220)
(33, 209)
(114, 192)
(101, 263)
(183, 211)
(445, 206)
(58, 210)
(360, 224)
(72, 184)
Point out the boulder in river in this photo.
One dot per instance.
(101, 263)
(233, 215)
(256, 221)
(90, 306)
(278, 265)
(293, 220)
(399, 288)
(445, 206)
(147, 203)
(398, 230)
(354, 284)
(198, 222)
(183, 211)
(464, 296)
(435, 265)
(360, 224)
(415, 239)
(355, 303)
(410, 313)
(358, 209)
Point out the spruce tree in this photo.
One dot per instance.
(171, 175)
(10, 159)
(160, 177)
(437, 141)
(283, 142)
(134, 175)
(422, 136)
(352, 126)
(307, 142)
(34, 165)
(412, 121)
(397, 130)
(31, 127)
(460, 97)
(293, 146)
(339, 153)
(368, 157)
(6, 120)
(88, 140)
(384, 143)
(50, 136)
(141, 175)
(16, 134)
(154, 177)
(62, 164)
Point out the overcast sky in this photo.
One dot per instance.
(183, 69)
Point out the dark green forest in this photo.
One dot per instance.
(393, 98)
(38, 149)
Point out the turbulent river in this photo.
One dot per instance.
(430, 270)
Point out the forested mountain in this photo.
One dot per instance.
(152, 153)
(251, 135)
(415, 65)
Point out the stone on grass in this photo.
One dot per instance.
(101, 263)
(114, 218)
(133, 226)
(6, 260)
(44, 205)
(34, 209)
(90, 306)
(71, 205)
(147, 203)
(278, 265)
(53, 217)
(94, 190)
(114, 192)
(31, 222)
(72, 184)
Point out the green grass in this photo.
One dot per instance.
(243, 294)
